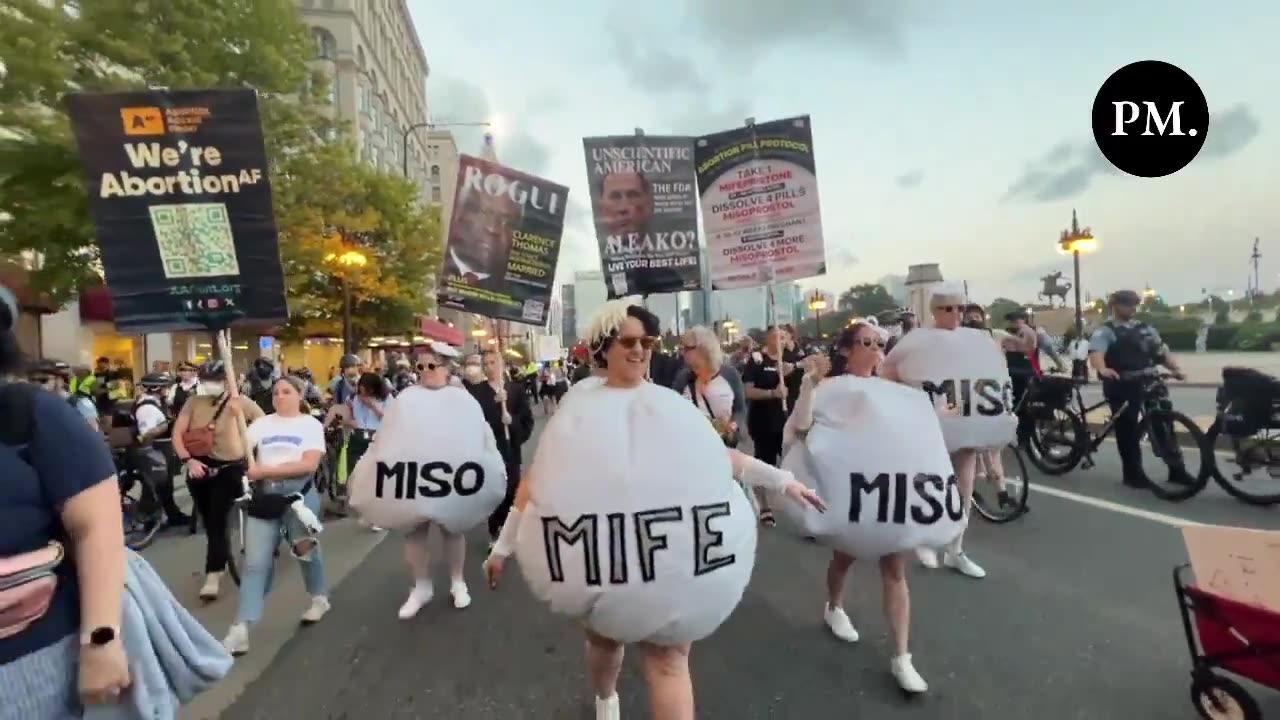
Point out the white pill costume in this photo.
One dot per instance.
(433, 460)
(635, 525)
(963, 371)
(876, 454)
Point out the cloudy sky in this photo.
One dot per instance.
(946, 131)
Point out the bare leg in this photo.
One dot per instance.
(666, 672)
(897, 599)
(419, 562)
(837, 571)
(604, 663)
(964, 462)
(455, 549)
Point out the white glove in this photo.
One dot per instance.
(506, 542)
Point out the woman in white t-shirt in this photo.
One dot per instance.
(289, 444)
(707, 389)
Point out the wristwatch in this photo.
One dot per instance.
(98, 637)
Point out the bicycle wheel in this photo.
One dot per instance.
(235, 543)
(1057, 442)
(1000, 486)
(1240, 485)
(1187, 476)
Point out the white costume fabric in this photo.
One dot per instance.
(635, 525)
(965, 375)
(874, 452)
(434, 459)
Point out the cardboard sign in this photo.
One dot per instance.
(1236, 563)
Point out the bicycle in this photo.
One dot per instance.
(1157, 421)
(1007, 506)
(140, 529)
(1248, 414)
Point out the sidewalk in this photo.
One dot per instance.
(1205, 369)
(179, 559)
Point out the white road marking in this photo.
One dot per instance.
(1170, 520)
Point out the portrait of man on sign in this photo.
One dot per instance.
(626, 203)
(480, 242)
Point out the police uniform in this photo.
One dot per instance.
(1126, 347)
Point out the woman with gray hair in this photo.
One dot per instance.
(707, 388)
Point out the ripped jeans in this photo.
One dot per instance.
(261, 537)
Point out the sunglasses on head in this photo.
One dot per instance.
(630, 342)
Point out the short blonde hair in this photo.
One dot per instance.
(708, 344)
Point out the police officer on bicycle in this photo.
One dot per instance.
(153, 449)
(1122, 346)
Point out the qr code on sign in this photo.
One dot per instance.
(195, 240)
(532, 310)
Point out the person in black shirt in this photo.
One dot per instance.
(765, 381)
(507, 410)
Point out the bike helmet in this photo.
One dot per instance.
(302, 373)
(1126, 298)
(263, 367)
(49, 367)
(212, 370)
(349, 361)
(156, 381)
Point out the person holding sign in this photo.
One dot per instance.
(434, 461)
(965, 375)
(641, 535)
(848, 439)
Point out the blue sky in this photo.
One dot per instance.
(946, 131)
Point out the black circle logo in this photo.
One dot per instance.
(1150, 119)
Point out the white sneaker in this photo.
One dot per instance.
(369, 526)
(905, 673)
(839, 623)
(461, 598)
(237, 640)
(316, 611)
(961, 562)
(209, 591)
(419, 596)
(608, 709)
(928, 557)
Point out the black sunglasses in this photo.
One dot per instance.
(427, 366)
(630, 342)
(947, 308)
(867, 342)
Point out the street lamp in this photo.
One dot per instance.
(817, 303)
(404, 136)
(349, 259)
(1073, 242)
(729, 327)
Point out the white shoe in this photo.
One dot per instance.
(237, 640)
(316, 611)
(961, 562)
(608, 708)
(419, 596)
(369, 526)
(928, 557)
(905, 673)
(209, 591)
(461, 598)
(839, 623)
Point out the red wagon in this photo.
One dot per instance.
(1225, 634)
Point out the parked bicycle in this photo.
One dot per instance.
(1062, 440)
(1249, 418)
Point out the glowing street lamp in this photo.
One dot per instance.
(348, 260)
(1073, 242)
(817, 303)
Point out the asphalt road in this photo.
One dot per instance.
(1076, 620)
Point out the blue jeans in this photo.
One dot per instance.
(261, 537)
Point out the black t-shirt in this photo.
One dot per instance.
(763, 374)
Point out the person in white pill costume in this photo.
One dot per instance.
(631, 522)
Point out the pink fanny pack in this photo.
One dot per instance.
(27, 582)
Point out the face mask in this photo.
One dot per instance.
(473, 373)
(212, 388)
(352, 377)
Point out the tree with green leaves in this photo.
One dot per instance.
(52, 48)
(329, 203)
(866, 299)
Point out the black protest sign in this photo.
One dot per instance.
(504, 242)
(178, 189)
(645, 204)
